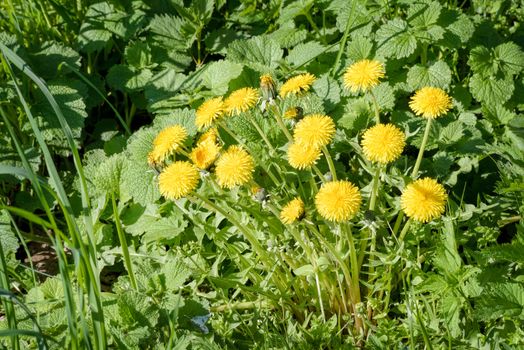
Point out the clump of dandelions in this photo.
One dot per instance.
(423, 200)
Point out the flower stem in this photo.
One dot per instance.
(281, 124)
(344, 40)
(404, 230)
(374, 189)
(372, 202)
(375, 105)
(329, 160)
(421, 150)
(123, 244)
(263, 135)
(355, 274)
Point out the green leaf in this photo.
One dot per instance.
(501, 300)
(360, 48)
(176, 274)
(328, 90)
(491, 90)
(304, 53)
(395, 39)
(480, 61)
(385, 97)
(173, 32)
(50, 56)
(457, 32)
(218, 74)
(288, 36)
(423, 17)
(509, 57)
(8, 239)
(260, 53)
(294, 9)
(127, 78)
(438, 75)
(93, 34)
(138, 54)
(306, 270)
(451, 133)
(138, 180)
(359, 20)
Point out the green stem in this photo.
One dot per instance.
(319, 295)
(313, 183)
(329, 160)
(421, 150)
(372, 202)
(398, 222)
(375, 105)
(318, 172)
(281, 124)
(313, 24)
(123, 244)
(404, 230)
(263, 135)
(355, 274)
(344, 40)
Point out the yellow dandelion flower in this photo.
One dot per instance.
(338, 200)
(424, 199)
(267, 86)
(383, 143)
(178, 180)
(241, 100)
(301, 157)
(297, 85)
(292, 211)
(166, 143)
(209, 112)
(363, 75)
(234, 167)
(204, 154)
(430, 102)
(210, 135)
(294, 113)
(314, 130)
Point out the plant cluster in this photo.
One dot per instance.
(254, 174)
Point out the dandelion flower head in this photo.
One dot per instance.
(210, 135)
(294, 113)
(241, 100)
(234, 167)
(166, 143)
(292, 211)
(424, 200)
(178, 180)
(301, 157)
(363, 75)
(383, 143)
(204, 154)
(297, 85)
(338, 200)
(209, 112)
(315, 130)
(430, 102)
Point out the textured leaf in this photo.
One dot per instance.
(303, 53)
(288, 36)
(384, 95)
(438, 75)
(424, 15)
(360, 48)
(173, 32)
(501, 300)
(138, 54)
(491, 90)
(359, 20)
(93, 34)
(50, 56)
(509, 57)
(328, 90)
(395, 40)
(218, 74)
(7, 238)
(128, 79)
(259, 52)
(451, 133)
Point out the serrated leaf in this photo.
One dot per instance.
(217, 40)
(294, 9)
(424, 15)
(385, 97)
(93, 34)
(138, 54)
(510, 58)
(163, 93)
(491, 90)
(176, 274)
(501, 300)
(8, 239)
(128, 79)
(395, 40)
(355, 14)
(184, 117)
(438, 75)
(107, 176)
(288, 36)
(451, 133)
(459, 31)
(260, 52)
(138, 180)
(173, 32)
(50, 55)
(328, 90)
(304, 53)
(218, 74)
(360, 48)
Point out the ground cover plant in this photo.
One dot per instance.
(261, 174)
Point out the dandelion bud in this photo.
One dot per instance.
(267, 86)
